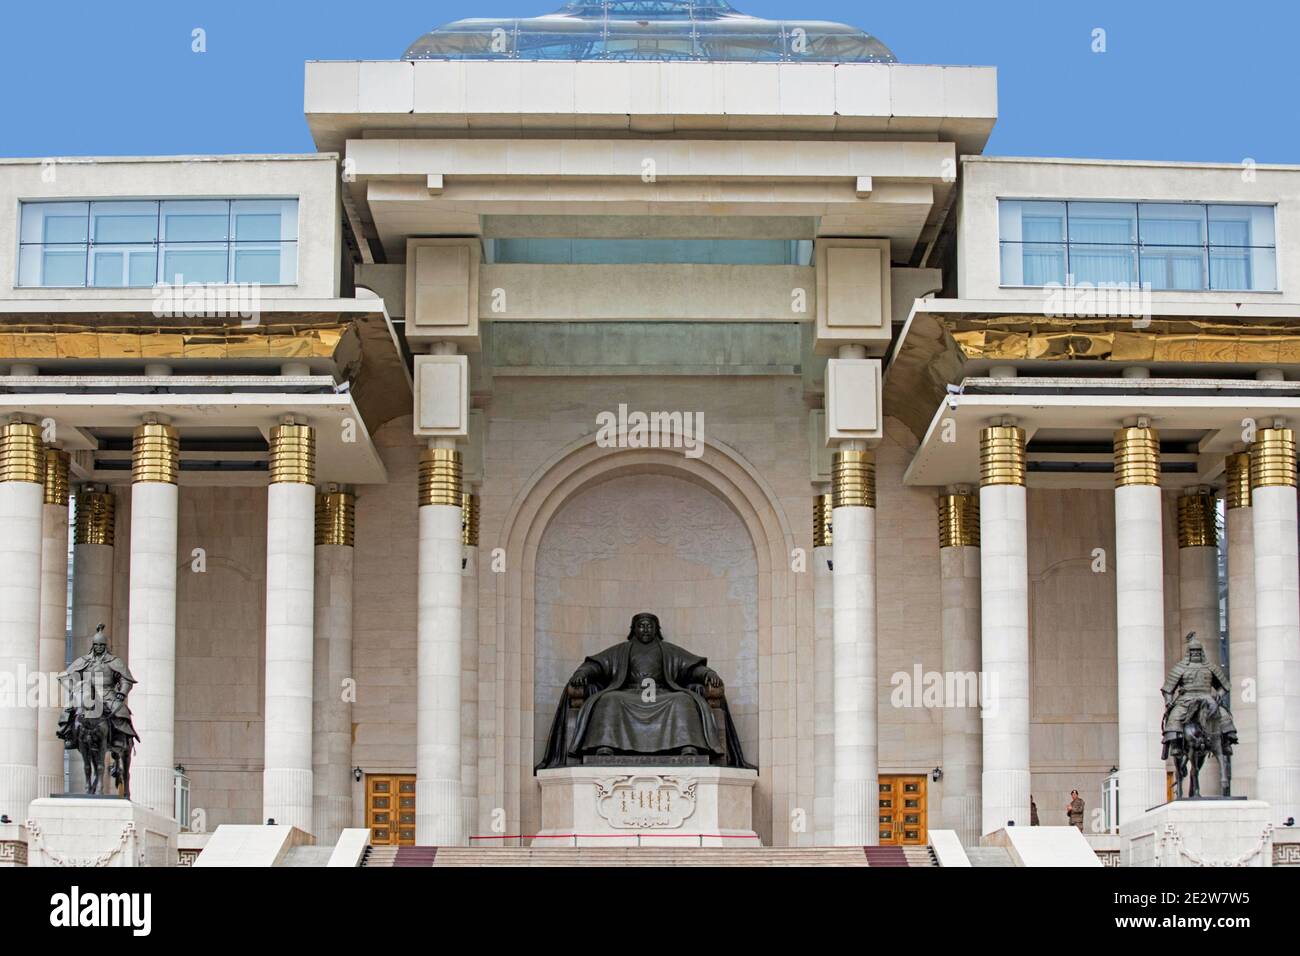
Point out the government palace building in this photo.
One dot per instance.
(640, 431)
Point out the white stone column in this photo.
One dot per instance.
(1277, 620)
(92, 584)
(54, 618)
(151, 615)
(1198, 588)
(1239, 521)
(853, 579)
(331, 731)
(959, 569)
(439, 813)
(469, 663)
(1140, 615)
(21, 496)
(1004, 627)
(290, 614)
(823, 672)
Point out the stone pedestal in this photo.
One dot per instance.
(1219, 832)
(13, 845)
(647, 806)
(101, 832)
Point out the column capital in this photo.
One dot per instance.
(1272, 458)
(1137, 456)
(1002, 455)
(1197, 520)
(335, 518)
(94, 521)
(823, 508)
(55, 475)
(853, 479)
(293, 454)
(22, 456)
(469, 519)
(959, 521)
(155, 454)
(440, 477)
(1236, 475)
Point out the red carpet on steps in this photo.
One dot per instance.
(415, 855)
(885, 856)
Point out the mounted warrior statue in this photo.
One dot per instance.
(1197, 722)
(98, 722)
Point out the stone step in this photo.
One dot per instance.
(920, 855)
(650, 856)
(885, 856)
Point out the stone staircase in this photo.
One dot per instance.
(423, 856)
(308, 856)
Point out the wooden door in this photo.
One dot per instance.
(390, 809)
(902, 810)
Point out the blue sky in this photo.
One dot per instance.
(1180, 79)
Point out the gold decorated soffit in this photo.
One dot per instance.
(354, 336)
(946, 340)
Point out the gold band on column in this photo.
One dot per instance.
(1137, 457)
(823, 508)
(336, 518)
(1002, 455)
(1197, 521)
(1272, 459)
(293, 455)
(1236, 476)
(94, 520)
(959, 521)
(22, 456)
(853, 480)
(56, 476)
(440, 477)
(469, 520)
(155, 454)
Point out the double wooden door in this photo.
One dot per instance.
(390, 809)
(903, 810)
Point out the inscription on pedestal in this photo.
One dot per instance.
(645, 801)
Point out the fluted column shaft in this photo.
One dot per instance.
(1004, 627)
(1239, 524)
(853, 580)
(331, 738)
(439, 812)
(54, 617)
(22, 493)
(1140, 610)
(1277, 620)
(959, 569)
(151, 614)
(287, 790)
(823, 672)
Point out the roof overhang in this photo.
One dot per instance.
(1069, 425)
(947, 340)
(350, 339)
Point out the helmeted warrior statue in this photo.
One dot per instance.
(1197, 721)
(98, 722)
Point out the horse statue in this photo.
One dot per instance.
(97, 724)
(1197, 722)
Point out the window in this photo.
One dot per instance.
(136, 243)
(1170, 246)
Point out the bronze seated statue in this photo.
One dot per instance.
(643, 701)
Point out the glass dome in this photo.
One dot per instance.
(650, 30)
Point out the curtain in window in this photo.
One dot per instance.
(1171, 232)
(1043, 265)
(1230, 270)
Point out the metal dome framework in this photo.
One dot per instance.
(652, 30)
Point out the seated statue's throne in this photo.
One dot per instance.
(715, 696)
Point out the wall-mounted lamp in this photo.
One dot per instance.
(1113, 770)
(357, 774)
(936, 774)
